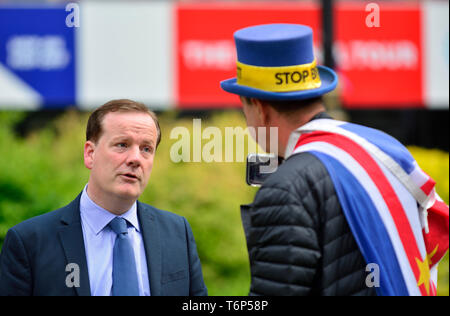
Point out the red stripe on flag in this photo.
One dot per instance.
(440, 208)
(428, 186)
(384, 187)
(433, 289)
(436, 241)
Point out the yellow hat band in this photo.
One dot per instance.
(279, 79)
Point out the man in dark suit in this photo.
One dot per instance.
(105, 242)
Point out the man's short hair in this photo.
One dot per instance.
(289, 107)
(94, 125)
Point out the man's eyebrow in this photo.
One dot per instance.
(148, 142)
(126, 136)
(119, 137)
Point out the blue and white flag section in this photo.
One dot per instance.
(394, 213)
(37, 61)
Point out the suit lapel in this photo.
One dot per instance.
(152, 245)
(71, 235)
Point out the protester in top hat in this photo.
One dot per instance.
(349, 212)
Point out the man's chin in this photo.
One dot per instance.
(128, 193)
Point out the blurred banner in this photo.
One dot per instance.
(124, 51)
(435, 32)
(206, 53)
(379, 66)
(37, 58)
(169, 54)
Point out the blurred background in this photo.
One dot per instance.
(59, 60)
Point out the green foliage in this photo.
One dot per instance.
(40, 173)
(46, 171)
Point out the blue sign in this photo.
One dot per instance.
(37, 50)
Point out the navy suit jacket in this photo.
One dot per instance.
(37, 252)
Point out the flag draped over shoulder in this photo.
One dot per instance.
(398, 220)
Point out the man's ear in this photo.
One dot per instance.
(89, 151)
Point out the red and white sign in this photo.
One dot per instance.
(378, 66)
(205, 51)
(167, 53)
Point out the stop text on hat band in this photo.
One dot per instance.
(279, 79)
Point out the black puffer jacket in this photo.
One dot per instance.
(298, 239)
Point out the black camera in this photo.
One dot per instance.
(260, 167)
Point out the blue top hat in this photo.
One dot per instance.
(276, 62)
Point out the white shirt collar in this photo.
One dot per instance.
(97, 217)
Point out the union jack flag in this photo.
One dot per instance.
(398, 220)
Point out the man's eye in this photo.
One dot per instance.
(148, 149)
(121, 145)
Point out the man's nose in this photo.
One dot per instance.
(134, 157)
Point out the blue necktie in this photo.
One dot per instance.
(125, 282)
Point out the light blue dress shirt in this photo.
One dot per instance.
(99, 244)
